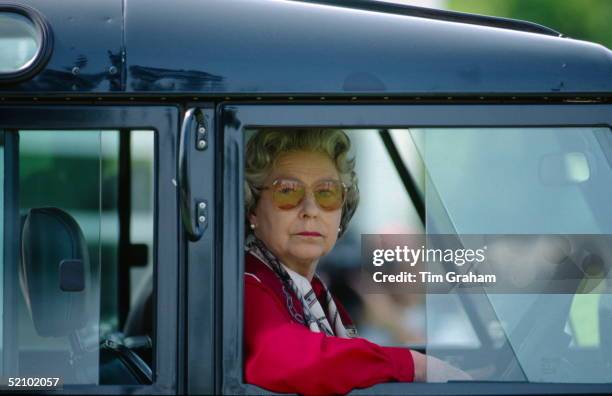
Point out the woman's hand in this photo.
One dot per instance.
(430, 369)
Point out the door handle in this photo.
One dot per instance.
(194, 211)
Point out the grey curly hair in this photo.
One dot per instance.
(266, 145)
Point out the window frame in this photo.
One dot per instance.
(238, 117)
(164, 121)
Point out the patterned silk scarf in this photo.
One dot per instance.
(314, 317)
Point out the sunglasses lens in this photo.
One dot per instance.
(288, 194)
(329, 195)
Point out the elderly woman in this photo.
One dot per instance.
(301, 191)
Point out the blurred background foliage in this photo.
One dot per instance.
(580, 19)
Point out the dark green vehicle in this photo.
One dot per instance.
(122, 132)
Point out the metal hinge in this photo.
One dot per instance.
(201, 132)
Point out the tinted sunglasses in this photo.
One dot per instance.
(289, 193)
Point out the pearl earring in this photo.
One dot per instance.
(339, 229)
(252, 226)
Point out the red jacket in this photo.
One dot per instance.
(283, 355)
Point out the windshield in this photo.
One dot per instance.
(536, 181)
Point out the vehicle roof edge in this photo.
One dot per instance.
(439, 14)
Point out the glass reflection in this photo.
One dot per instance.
(20, 42)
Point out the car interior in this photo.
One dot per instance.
(73, 281)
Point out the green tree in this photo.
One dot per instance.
(580, 19)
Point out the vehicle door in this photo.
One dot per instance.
(90, 248)
(487, 170)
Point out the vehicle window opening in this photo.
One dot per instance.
(451, 172)
(84, 275)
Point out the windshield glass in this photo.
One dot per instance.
(528, 181)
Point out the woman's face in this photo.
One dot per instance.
(298, 236)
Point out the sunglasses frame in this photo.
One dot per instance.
(345, 189)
